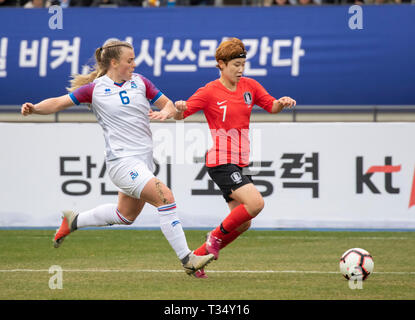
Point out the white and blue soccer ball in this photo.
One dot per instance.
(356, 264)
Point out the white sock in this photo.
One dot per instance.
(103, 215)
(172, 229)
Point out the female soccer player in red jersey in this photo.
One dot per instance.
(227, 104)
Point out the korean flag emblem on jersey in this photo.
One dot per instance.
(248, 98)
(236, 177)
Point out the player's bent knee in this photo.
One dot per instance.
(254, 207)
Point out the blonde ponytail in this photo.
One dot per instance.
(103, 56)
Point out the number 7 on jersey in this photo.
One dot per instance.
(224, 112)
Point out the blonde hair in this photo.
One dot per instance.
(230, 49)
(103, 56)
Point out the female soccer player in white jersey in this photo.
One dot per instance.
(120, 100)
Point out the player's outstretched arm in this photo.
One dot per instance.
(167, 109)
(47, 106)
(281, 103)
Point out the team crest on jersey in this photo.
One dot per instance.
(107, 91)
(248, 98)
(133, 85)
(133, 174)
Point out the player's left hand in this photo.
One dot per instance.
(287, 102)
(158, 115)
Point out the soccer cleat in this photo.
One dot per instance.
(213, 245)
(200, 274)
(195, 263)
(66, 228)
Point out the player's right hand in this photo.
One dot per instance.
(27, 108)
(180, 105)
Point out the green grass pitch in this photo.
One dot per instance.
(264, 265)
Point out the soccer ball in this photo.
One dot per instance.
(356, 264)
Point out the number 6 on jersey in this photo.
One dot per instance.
(124, 99)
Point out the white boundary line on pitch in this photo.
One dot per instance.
(210, 271)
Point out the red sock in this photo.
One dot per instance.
(234, 219)
(227, 239)
(201, 251)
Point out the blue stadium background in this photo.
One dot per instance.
(336, 65)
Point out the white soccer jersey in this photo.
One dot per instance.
(122, 111)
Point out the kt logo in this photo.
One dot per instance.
(364, 178)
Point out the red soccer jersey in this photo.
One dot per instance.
(228, 114)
